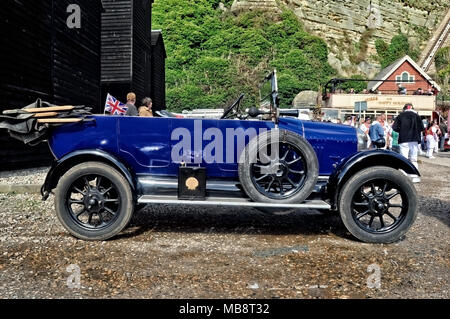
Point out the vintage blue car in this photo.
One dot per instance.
(267, 159)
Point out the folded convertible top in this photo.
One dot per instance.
(31, 123)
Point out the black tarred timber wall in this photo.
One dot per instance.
(126, 48)
(158, 81)
(41, 57)
(76, 55)
(116, 41)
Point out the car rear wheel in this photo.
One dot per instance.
(93, 201)
(378, 205)
(278, 166)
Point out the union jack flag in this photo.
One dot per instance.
(114, 106)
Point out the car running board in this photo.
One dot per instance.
(226, 201)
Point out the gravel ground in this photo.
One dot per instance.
(185, 252)
(24, 176)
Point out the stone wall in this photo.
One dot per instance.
(250, 5)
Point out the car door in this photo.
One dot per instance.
(195, 142)
(144, 143)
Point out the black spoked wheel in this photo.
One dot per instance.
(278, 168)
(93, 201)
(378, 204)
(282, 178)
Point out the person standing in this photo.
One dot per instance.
(389, 135)
(431, 137)
(409, 126)
(348, 121)
(365, 127)
(131, 101)
(386, 128)
(443, 127)
(436, 134)
(376, 134)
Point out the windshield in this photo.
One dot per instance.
(268, 91)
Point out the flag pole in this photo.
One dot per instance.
(104, 107)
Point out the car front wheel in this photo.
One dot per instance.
(93, 201)
(378, 204)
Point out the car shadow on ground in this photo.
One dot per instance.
(436, 208)
(184, 219)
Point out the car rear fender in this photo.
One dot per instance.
(361, 160)
(61, 166)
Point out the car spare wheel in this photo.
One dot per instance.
(278, 166)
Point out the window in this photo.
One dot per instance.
(405, 77)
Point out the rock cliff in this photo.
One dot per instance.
(350, 27)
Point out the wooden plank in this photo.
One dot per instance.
(46, 114)
(50, 109)
(60, 120)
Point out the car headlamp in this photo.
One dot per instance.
(362, 140)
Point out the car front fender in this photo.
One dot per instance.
(61, 166)
(361, 160)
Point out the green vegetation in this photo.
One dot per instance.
(362, 47)
(399, 46)
(213, 56)
(442, 59)
(442, 62)
(358, 86)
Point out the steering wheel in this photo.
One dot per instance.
(233, 106)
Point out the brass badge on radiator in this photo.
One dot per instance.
(192, 183)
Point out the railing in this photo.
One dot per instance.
(437, 43)
(381, 101)
(383, 92)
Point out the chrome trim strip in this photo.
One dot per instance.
(225, 201)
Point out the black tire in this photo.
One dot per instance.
(300, 180)
(93, 201)
(378, 205)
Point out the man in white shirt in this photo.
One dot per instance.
(365, 128)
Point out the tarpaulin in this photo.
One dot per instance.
(24, 126)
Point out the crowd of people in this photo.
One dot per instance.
(402, 90)
(407, 134)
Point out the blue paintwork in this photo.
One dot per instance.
(145, 144)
